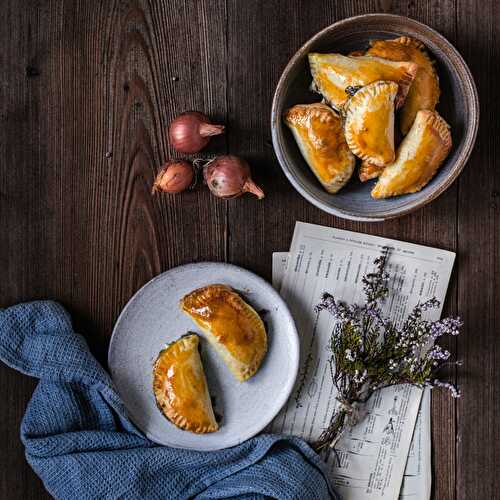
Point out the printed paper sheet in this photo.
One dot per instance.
(371, 461)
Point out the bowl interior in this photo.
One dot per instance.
(458, 106)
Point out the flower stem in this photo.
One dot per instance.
(331, 435)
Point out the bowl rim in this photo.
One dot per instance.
(466, 145)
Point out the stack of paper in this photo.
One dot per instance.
(387, 455)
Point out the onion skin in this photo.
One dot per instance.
(190, 132)
(174, 177)
(229, 176)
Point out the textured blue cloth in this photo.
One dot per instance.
(80, 442)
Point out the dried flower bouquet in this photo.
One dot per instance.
(369, 352)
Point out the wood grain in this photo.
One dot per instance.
(478, 436)
(90, 90)
(87, 91)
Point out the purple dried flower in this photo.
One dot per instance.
(392, 365)
(446, 385)
(438, 353)
(329, 303)
(350, 355)
(358, 377)
(430, 304)
(375, 283)
(447, 326)
(337, 309)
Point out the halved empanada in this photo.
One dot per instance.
(319, 135)
(180, 387)
(231, 325)
(424, 91)
(369, 171)
(418, 157)
(333, 73)
(369, 123)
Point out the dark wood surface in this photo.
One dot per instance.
(87, 90)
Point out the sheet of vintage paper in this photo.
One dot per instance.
(371, 459)
(417, 478)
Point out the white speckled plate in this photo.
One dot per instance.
(152, 318)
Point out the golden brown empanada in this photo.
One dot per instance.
(180, 387)
(424, 91)
(418, 157)
(369, 171)
(369, 122)
(231, 325)
(317, 128)
(333, 73)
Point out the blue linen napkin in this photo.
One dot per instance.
(81, 443)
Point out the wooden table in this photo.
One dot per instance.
(88, 89)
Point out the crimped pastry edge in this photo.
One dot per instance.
(439, 124)
(368, 171)
(296, 111)
(409, 41)
(404, 85)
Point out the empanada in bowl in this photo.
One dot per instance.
(317, 128)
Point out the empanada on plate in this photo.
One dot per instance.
(369, 123)
(419, 156)
(369, 171)
(333, 73)
(318, 131)
(180, 387)
(424, 91)
(232, 326)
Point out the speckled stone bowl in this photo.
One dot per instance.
(458, 105)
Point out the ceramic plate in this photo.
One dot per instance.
(152, 318)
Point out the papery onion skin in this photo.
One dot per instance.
(174, 177)
(229, 176)
(191, 131)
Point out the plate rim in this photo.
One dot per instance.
(295, 364)
(467, 145)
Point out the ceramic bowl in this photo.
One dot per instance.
(458, 105)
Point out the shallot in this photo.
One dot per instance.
(190, 132)
(174, 177)
(229, 177)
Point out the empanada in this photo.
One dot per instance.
(333, 73)
(369, 171)
(424, 91)
(231, 325)
(369, 122)
(318, 131)
(180, 387)
(418, 157)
